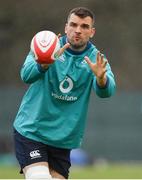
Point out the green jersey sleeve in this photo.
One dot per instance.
(31, 70)
(110, 86)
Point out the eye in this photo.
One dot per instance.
(72, 24)
(85, 26)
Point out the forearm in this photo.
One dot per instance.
(106, 90)
(101, 81)
(31, 70)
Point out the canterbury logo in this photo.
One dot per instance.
(35, 154)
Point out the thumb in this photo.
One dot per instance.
(63, 49)
(59, 35)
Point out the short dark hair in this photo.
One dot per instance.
(82, 12)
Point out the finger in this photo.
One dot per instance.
(59, 35)
(102, 58)
(67, 45)
(104, 63)
(98, 57)
(103, 73)
(63, 49)
(88, 60)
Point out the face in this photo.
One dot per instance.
(79, 31)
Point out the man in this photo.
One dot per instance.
(51, 119)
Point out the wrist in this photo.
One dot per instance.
(102, 81)
(42, 68)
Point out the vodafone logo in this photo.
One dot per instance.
(66, 85)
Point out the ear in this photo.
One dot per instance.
(93, 32)
(66, 28)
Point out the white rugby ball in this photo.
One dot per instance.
(45, 45)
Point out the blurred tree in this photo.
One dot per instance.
(118, 34)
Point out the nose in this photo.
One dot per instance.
(78, 29)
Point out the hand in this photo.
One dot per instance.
(59, 52)
(62, 49)
(45, 66)
(99, 68)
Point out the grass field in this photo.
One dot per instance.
(112, 171)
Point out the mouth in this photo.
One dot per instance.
(77, 38)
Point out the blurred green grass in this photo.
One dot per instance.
(108, 171)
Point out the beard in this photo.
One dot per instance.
(77, 46)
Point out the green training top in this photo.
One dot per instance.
(54, 109)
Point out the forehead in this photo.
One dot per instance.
(76, 19)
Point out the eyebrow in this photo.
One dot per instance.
(83, 25)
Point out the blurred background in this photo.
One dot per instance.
(114, 126)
